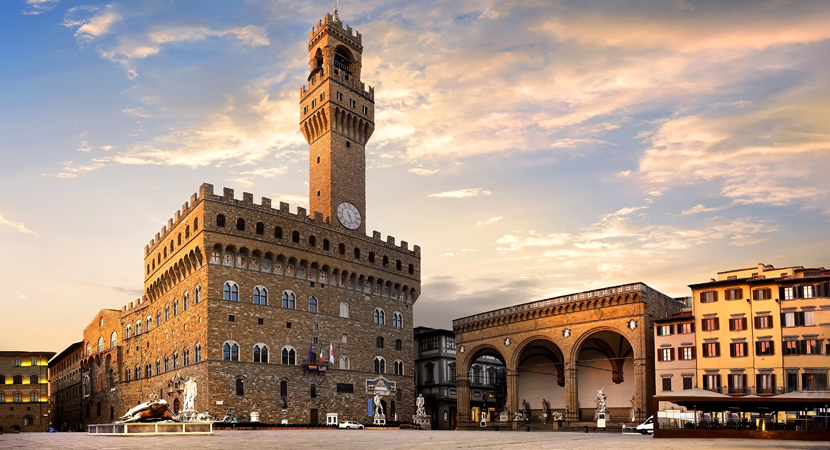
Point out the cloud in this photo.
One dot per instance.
(681, 5)
(245, 179)
(489, 221)
(136, 112)
(90, 22)
(423, 171)
(702, 208)
(19, 225)
(139, 47)
(21, 296)
(35, 7)
(446, 254)
(85, 147)
(461, 193)
(72, 170)
(530, 238)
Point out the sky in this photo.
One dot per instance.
(530, 148)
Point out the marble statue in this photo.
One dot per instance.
(526, 407)
(190, 392)
(633, 408)
(419, 403)
(558, 416)
(545, 406)
(601, 400)
(376, 401)
(153, 410)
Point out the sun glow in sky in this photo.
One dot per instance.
(531, 148)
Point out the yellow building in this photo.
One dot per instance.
(24, 391)
(763, 330)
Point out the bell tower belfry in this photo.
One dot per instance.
(337, 117)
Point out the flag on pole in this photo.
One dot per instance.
(321, 353)
(331, 353)
(311, 352)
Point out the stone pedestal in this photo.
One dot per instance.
(379, 420)
(423, 421)
(255, 416)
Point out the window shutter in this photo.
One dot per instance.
(659, 330)
(783, 320)
(746, 350)
(693, 326)
(781, 293)
(758, 383)
(717, 323)
(773, 382)
(743, 322)
(705, 382)
(693, 352)
(799, 319)
(660, 355)
(757, 348)
(717, 349)
(671, 329)
(802, 347)
(757, 321)
(799, 291)
(672, 353)
(731, 324)
(705, 350)
(818, 348)
(719, 382)
(732, 350)
(744, 381)
(740, 294)
(703, 325)
(715, 296)
(729, 382)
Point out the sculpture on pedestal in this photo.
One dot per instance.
(190, 393)
(155, 409)
(633, 409)
(376, 401)
(419, 404)
(601, 400)
(526, 409)
(557, 416)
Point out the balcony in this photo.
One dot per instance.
(314, 366)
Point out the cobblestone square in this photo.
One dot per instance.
(392, 439)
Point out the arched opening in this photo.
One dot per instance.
(220, 220)
(341, 249)
(295, 237)
(278, 232)
(486, 394)
(356, 253)
(605, 360)
(240, 224)
(312, 241)
(343, 59)
(260, 228)
(541, 377)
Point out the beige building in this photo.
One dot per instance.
(559, 352)
(763, 330)
(24, 391)
(674, 350)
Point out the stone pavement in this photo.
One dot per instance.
(389, 439)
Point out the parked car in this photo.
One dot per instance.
(51, 430)
(350, 424)
(646, 427)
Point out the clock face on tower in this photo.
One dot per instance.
(348, 215)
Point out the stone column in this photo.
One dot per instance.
(462, 390)
(641, 397)
(513, 390)
(571, 392)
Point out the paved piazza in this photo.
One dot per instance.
(393, 439)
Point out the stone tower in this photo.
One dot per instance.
(337, 119)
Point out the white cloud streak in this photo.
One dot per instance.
(18, 225)
(461, 193)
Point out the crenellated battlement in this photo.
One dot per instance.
(333, 24)
(171, 223)
(328, 72)
(206, 192)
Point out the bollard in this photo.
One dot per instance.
(586, 428)
(528, 428)
(497, 428)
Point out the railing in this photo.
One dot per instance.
(634, 287)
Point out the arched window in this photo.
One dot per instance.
(278, 232)
(344, 310)
(260, 353)
(186, 357)
(397, 320)
(33, 379)
(240, 386)
(2, 382)
(137, 371)
(197, 353)
(29, 421)
(380, 364)
(325, 244)
(344, 362)
(148, 322)
(411, 269)
(398, 264)
(166, 363)
(148, 269)
(240, 224)
(398, 367)
(148, 371)
(295, 237)
(371, 257)
(138, 328)
(344, 338)
(166, 313)
(100, 344)
(175, 308)
(312, 304)
(230, 291)
(179, 240)
(379, 342)
(260, 296)
(288, 300)
(158, 366)
(220, 220)
(380, 316)
(187, 232)
(197, 294)
(312, 241)
(385, 261)
(356, 253)
(230, 351)
(289, 356)
(186, 301)
(171, 248)
(398, 344)
(165, 252)
(260, 228)
(34, 398)
(128, 332)
(158, 319)
(18, 398)
(195, 224)
(88, 350)
(175, 360)
(313, 391)
(341, 249)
